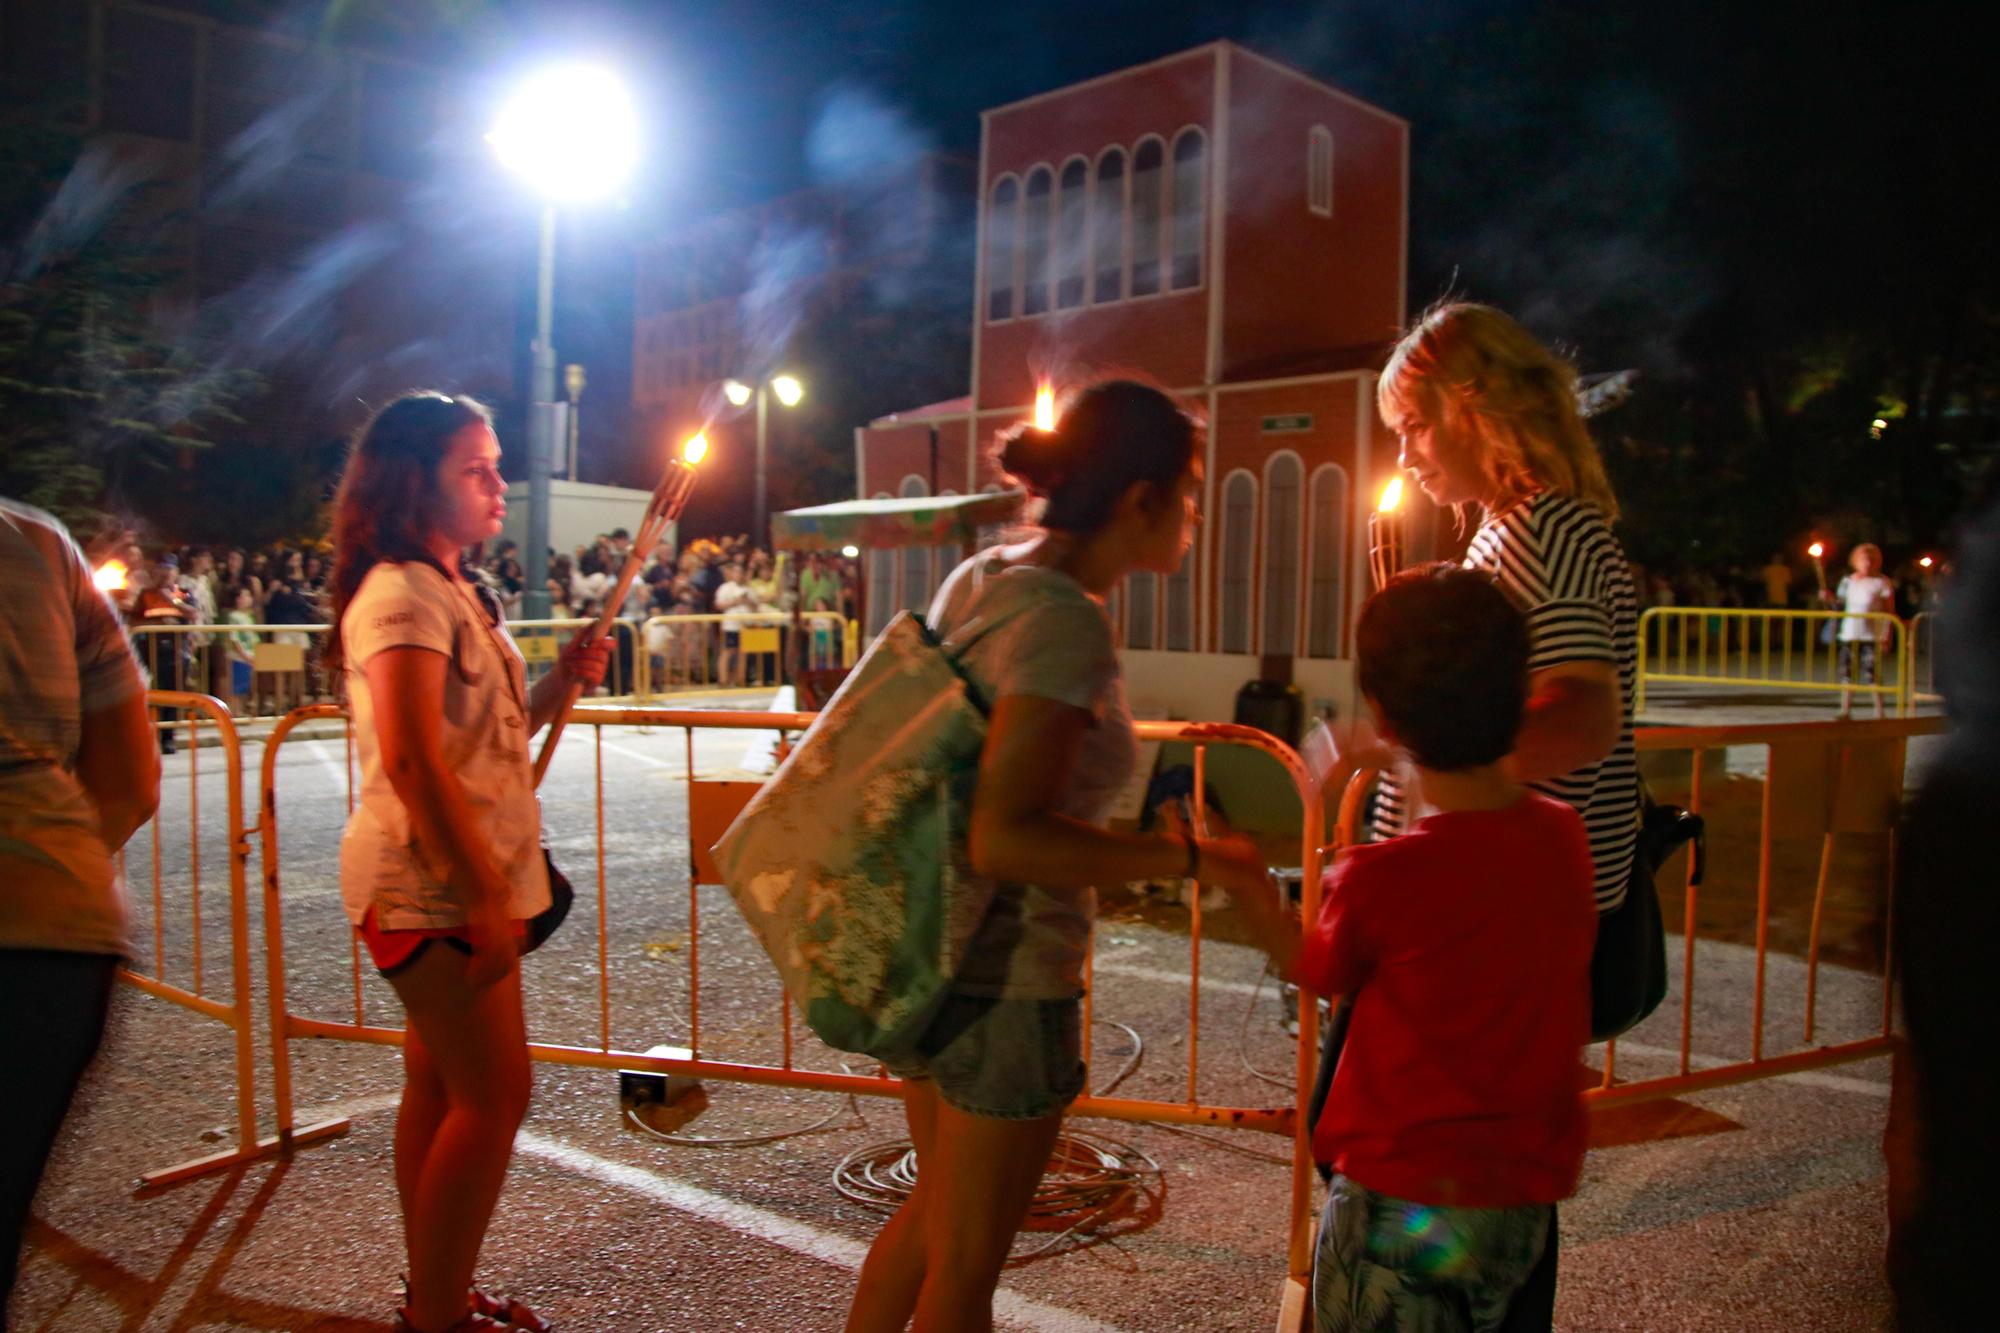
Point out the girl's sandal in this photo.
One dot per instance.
(509, 1312)
(472, 1323)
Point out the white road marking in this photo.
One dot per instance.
(1807, 1078)
(773, 1228)
(336, 768)
(639, 756)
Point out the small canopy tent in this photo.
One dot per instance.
(894, 524)
(875, 525)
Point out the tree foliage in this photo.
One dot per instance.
(98, 401)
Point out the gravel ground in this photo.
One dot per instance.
(1734, 1210)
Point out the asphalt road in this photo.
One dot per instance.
(1736, 1209)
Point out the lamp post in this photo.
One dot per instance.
(571, 133)
(789, 392)
(574, 381)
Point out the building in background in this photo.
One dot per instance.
(298, 188)
(860, 289)
(1236, 231)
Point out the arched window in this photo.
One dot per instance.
(1072, 202)
(943, 561)
(1002, 221)
(1327, 529)
(883, 594)
(1035, 242)
(1140, 599)
(1190, 213)
(1180, 606)
(1239, 528)
(1319, 170)
(1281, 554)
(1107, 228)
(1148, 177)
(916, 560)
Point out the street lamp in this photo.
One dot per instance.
(789, 393)
(571, 133)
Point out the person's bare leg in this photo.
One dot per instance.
(893, 1272)
(988, 1169)
(477, 1042)
(417, 1119)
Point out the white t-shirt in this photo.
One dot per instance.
(1055, 643)
(1859, 594)
(485, 743)
(736, 599)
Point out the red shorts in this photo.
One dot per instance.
(393, 950)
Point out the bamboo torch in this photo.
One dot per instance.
(669, 498)
(1385, 534)
(1818, 553)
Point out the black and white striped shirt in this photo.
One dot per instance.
(1555, 558)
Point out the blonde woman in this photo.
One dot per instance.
(1489, 426)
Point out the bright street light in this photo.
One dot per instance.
(569, 131)
(790, 393)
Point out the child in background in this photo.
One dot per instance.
(1454, 1123)
(1860, 592)
(242, 601)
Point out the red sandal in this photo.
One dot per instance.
(472, 1323)
(501, 1314)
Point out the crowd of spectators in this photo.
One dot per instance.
(290, 586)
(1780, 583)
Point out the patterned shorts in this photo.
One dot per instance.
(1388, 1264)
(1003, 1059)
(1851, 649)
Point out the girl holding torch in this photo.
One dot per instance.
(1488, 421)
(444, 847)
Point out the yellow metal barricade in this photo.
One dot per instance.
(693, 651)
(282, 662)
(1767, 649)
(1920, 657)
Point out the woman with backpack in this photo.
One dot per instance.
(986, 1087)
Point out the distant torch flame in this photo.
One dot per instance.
(110, 576)
(1045, 408)
(1816, 550)
(695, 449)
(1926, 562)
(1392, 495)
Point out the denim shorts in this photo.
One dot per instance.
(1003, 1059)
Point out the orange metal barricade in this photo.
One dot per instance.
(191, 718)
(287, 1026)
(1851, 798)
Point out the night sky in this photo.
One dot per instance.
(1622, 181)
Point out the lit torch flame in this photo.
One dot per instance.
(1926, 562)
(695, 449)
(110, 576)
(1816, 550)
(1392, 495)
(1045, 408)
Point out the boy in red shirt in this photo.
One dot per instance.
(1454, 1122)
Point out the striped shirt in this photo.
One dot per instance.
(1555, 558)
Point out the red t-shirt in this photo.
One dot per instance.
(1466, 945)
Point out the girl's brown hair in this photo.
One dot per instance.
(386, 506)
(1109, 435)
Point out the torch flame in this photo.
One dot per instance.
(1045, 408)
(1392, 496)
(110, 576)
(695, 449)
(1816, 550)
(1926, 562)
